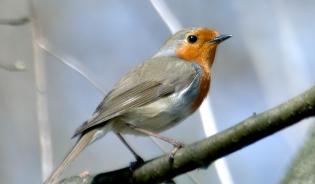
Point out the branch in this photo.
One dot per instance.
(303, 166)
(14, 67)
(17, 66)
(204, 152)
(15, 22)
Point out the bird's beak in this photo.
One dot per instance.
(220, 38)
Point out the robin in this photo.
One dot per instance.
(154, 96)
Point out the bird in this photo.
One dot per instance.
(155, 95)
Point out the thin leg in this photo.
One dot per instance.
(177, 145)
(137, 157)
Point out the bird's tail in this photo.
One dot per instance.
(78, 147)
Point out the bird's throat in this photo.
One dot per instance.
(204, 85)
(204, 57)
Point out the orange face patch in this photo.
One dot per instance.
(201, 52)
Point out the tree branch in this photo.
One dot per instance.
(15, 22)
(302, 169)
(204, 152)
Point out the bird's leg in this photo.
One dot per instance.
(177, 145)
(139, 161)
(137, 157)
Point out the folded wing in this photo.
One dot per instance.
(149, 82)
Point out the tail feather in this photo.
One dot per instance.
(78, 147)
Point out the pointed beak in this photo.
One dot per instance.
(220, 38)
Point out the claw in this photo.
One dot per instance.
(84, 174)
(177, 146)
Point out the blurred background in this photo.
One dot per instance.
(269, 59)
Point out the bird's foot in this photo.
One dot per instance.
(177, 145)
(84, 174)
(136, 164)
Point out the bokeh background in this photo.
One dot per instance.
(269, 59)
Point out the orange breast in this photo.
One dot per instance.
(203, 88)
(203, 54)
(204, 58)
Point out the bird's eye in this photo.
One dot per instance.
(192, 38)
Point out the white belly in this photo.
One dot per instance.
(159, 115)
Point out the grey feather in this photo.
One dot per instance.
(150, 81)
(78, 147)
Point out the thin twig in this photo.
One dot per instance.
(18, 66)
(73, 64)
(41, 98)
(15, 22)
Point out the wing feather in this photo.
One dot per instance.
(147, 88)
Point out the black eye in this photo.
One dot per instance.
(192, 38)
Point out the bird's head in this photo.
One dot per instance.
(193, 44)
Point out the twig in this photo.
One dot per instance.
(73, 64)
(15, 22)
(206, 151)
(41, 98)
(18, 66)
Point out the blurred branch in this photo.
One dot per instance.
(303, 166)
(14, 67)
(19, 65)
(15, 22)
(73, 64)
(42, 118)
(167, 15)
(204, 152)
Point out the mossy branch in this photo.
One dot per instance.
(206, 151)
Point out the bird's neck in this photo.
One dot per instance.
(206, 64)
(204, 85)
(204, 57)
(205, 61)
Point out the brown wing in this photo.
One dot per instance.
(146, 87)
